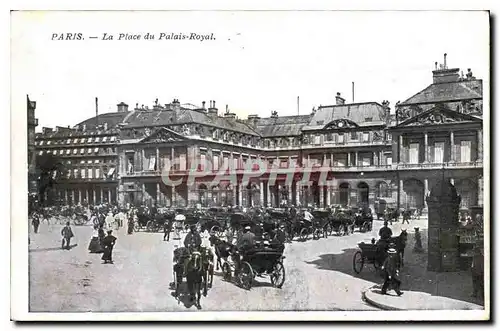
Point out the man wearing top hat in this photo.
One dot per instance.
(391, 271)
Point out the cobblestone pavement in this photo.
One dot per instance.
(319, 276)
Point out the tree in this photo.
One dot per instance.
(50, 170)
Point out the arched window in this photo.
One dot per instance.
(382, 190)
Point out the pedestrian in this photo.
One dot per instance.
(130, 229)
(35, 222)
(167, 228)
(477, 271)
(67, 234)
(390, 269)
(108, 244)
(95, 245)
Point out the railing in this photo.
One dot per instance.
(445, 165)
(347, 144)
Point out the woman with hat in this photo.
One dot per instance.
(391, 271)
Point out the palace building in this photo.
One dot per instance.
(342, 154)
(32, 124)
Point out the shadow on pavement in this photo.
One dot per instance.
(52, 249)
(414, 274)
(184, 297)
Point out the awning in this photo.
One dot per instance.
(111, 172)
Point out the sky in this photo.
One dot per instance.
(260, 61)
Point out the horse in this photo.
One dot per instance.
(194, 276)
(400, 242)
(391, 215)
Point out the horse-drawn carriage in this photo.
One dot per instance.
(258, 262)
(322, 226)
(196, 266)
(363, 220)
(342, 221)
(376, 252)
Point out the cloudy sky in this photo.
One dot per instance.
(258, 62)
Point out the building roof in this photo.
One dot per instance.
(448, 91)
(282, 126)
(185, 116)
(111, 118)
(363, 114)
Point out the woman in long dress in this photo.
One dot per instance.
(108, 243)
(95, 246)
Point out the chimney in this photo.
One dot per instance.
(46, 130)
(445, 75)
(339, 100)
(84, 127)
(122, 107)
(203, 105)
(253, 119)
(230, 115)
(176, 105)
(105, 126)
(212, 110)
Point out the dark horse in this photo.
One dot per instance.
(208, 268)
(194, 276)
(223, 250)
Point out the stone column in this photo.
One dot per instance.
(452, 181)
(349, 159)
(269, 196)
(66, 196)
(158, 192)
(172, 197)
(480, 192)
(331, 160)
(401, 147)
(426, 193)
(109, 195)
(142, 160)
(94, 196)
(328, 194)
(102, 195)
(234, 195)
(261, 191)
(426, 148)
(452, 146)
(297, 193)
(143, 191)
(321, 195)
(375, 159)
(158, 165)
(480, 145)
(240, 194)
(356, 158)
(401, 194)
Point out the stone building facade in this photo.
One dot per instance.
(32, 124)
(343, 154)
(439, 133)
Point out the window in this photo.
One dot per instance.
(283, 163)
(368, 119)
(48, 142)
(341, 138)
(68, 151)
(366, 160)
(215, 162)
(75, 141)
(465, 150)
(326, 161)
(438, 152)
(203, 162)
(414, 148)
(96, 150)
(68, 141)
(82, 161)
(82, 150)
(317, 139)
(96, 161)
(113, 138)
(82, 141)
(182, 162)
(75, 173)
(97, 139)
(389, 160)
(366, 137)
(89, 151)
(97, 173)
(89, 173)
(215, 135)
(329, 136)
(83, 173)
(104, 139)
(152, 163)
(75, 151)
(236, 162)
(41, 152)
(354, 135)
(89, 161)
(225, 162)
(111, 172)
(41, 142)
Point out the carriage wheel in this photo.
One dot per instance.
(341, 230)
(365, 227)
(149, 226)
(304, 233)
(316, 234)
(358, 262)
(278, 275)
(226, 272)
(246, 276)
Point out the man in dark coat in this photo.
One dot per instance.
(108, 243)
(385, 233)
(67, 234)
(391, 272)
(167, 227)
(477, 270)
(193, 239)
(245, 243)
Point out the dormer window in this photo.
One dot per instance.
(368, 119)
